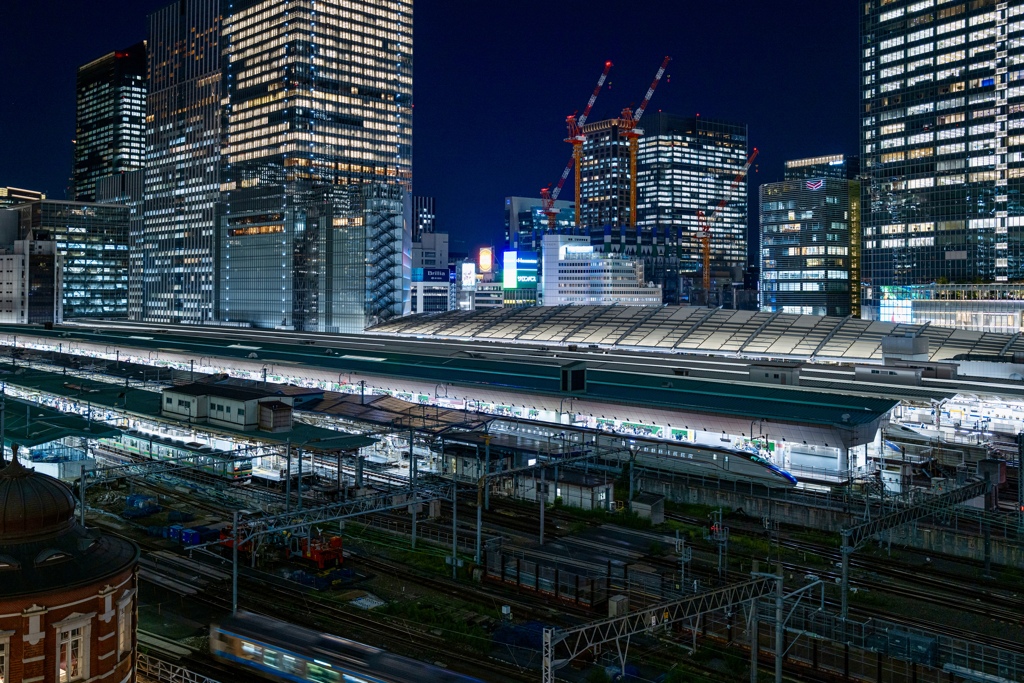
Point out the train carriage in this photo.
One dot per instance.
(144, 446)
(279, 651)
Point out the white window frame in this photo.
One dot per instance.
(5, 655)
(64, 629)
(125, 623)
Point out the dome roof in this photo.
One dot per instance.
(32, 505)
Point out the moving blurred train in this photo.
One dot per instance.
(280, 651)
(145, 446)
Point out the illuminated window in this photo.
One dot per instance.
(72, 654)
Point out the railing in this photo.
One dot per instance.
(165, 672)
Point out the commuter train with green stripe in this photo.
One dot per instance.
(140, 446)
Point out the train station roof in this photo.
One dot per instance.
(144, 404)
(693, 329)
(30, 424)
(394, 412)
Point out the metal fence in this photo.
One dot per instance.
(154, 669)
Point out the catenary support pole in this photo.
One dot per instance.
(542, 497)
(455, 521)
(234, 563)
(288, 476)
(779, 624)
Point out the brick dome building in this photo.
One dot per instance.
(67, 594)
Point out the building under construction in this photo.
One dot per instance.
(674, 195)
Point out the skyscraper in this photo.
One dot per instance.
(941, 147)
(315, 220)
(604, 175)
(810, 239)
(175, 277)
(686, 165)
(111, 117)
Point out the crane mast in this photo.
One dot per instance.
(632, 134)
(574, 126)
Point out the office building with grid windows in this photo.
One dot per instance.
(810, 239)
(110, 118)
(314, 223)
(526, 223)
(686, 165)
(172, 278)
(942, 144)
(92, 242)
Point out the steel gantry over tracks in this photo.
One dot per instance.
(856, 536)
(573, 642)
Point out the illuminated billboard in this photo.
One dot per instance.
(520, 270)
(486, 260)
(468, 275)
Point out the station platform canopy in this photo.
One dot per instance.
(692, 329)
(394, 412)
(145, 404)
(30, 424)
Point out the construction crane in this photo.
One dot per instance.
(575, 126)
(632, 135)
(705, 223)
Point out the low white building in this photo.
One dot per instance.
(228, 406)
(572, 273)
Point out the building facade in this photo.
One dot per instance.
(12, 196)
(942, 153)
(111, 118)
(686, 165)
(31, 286)
(526, 223)
(314, 223)
(994, 307)
(424, 215)
(68, 601)
(128, 190)
(575, 274)
(92, 239)
(810, 240)
(174, 257)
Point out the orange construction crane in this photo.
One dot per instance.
(706, 222)
(632, 135)
(574, 125)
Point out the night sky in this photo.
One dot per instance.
(494, 81)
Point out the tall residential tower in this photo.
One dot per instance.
(314, 224)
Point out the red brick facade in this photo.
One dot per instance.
(31, 626)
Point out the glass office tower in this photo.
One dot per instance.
(174, 276)
(942, 142)
(110, 118)
(315, 219)
(93, 241)
(685, 165)
(810, 239)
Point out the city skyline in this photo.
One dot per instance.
(516, 136)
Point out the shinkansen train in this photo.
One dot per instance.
(722, 462)
(143, 446)
(279, 651)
